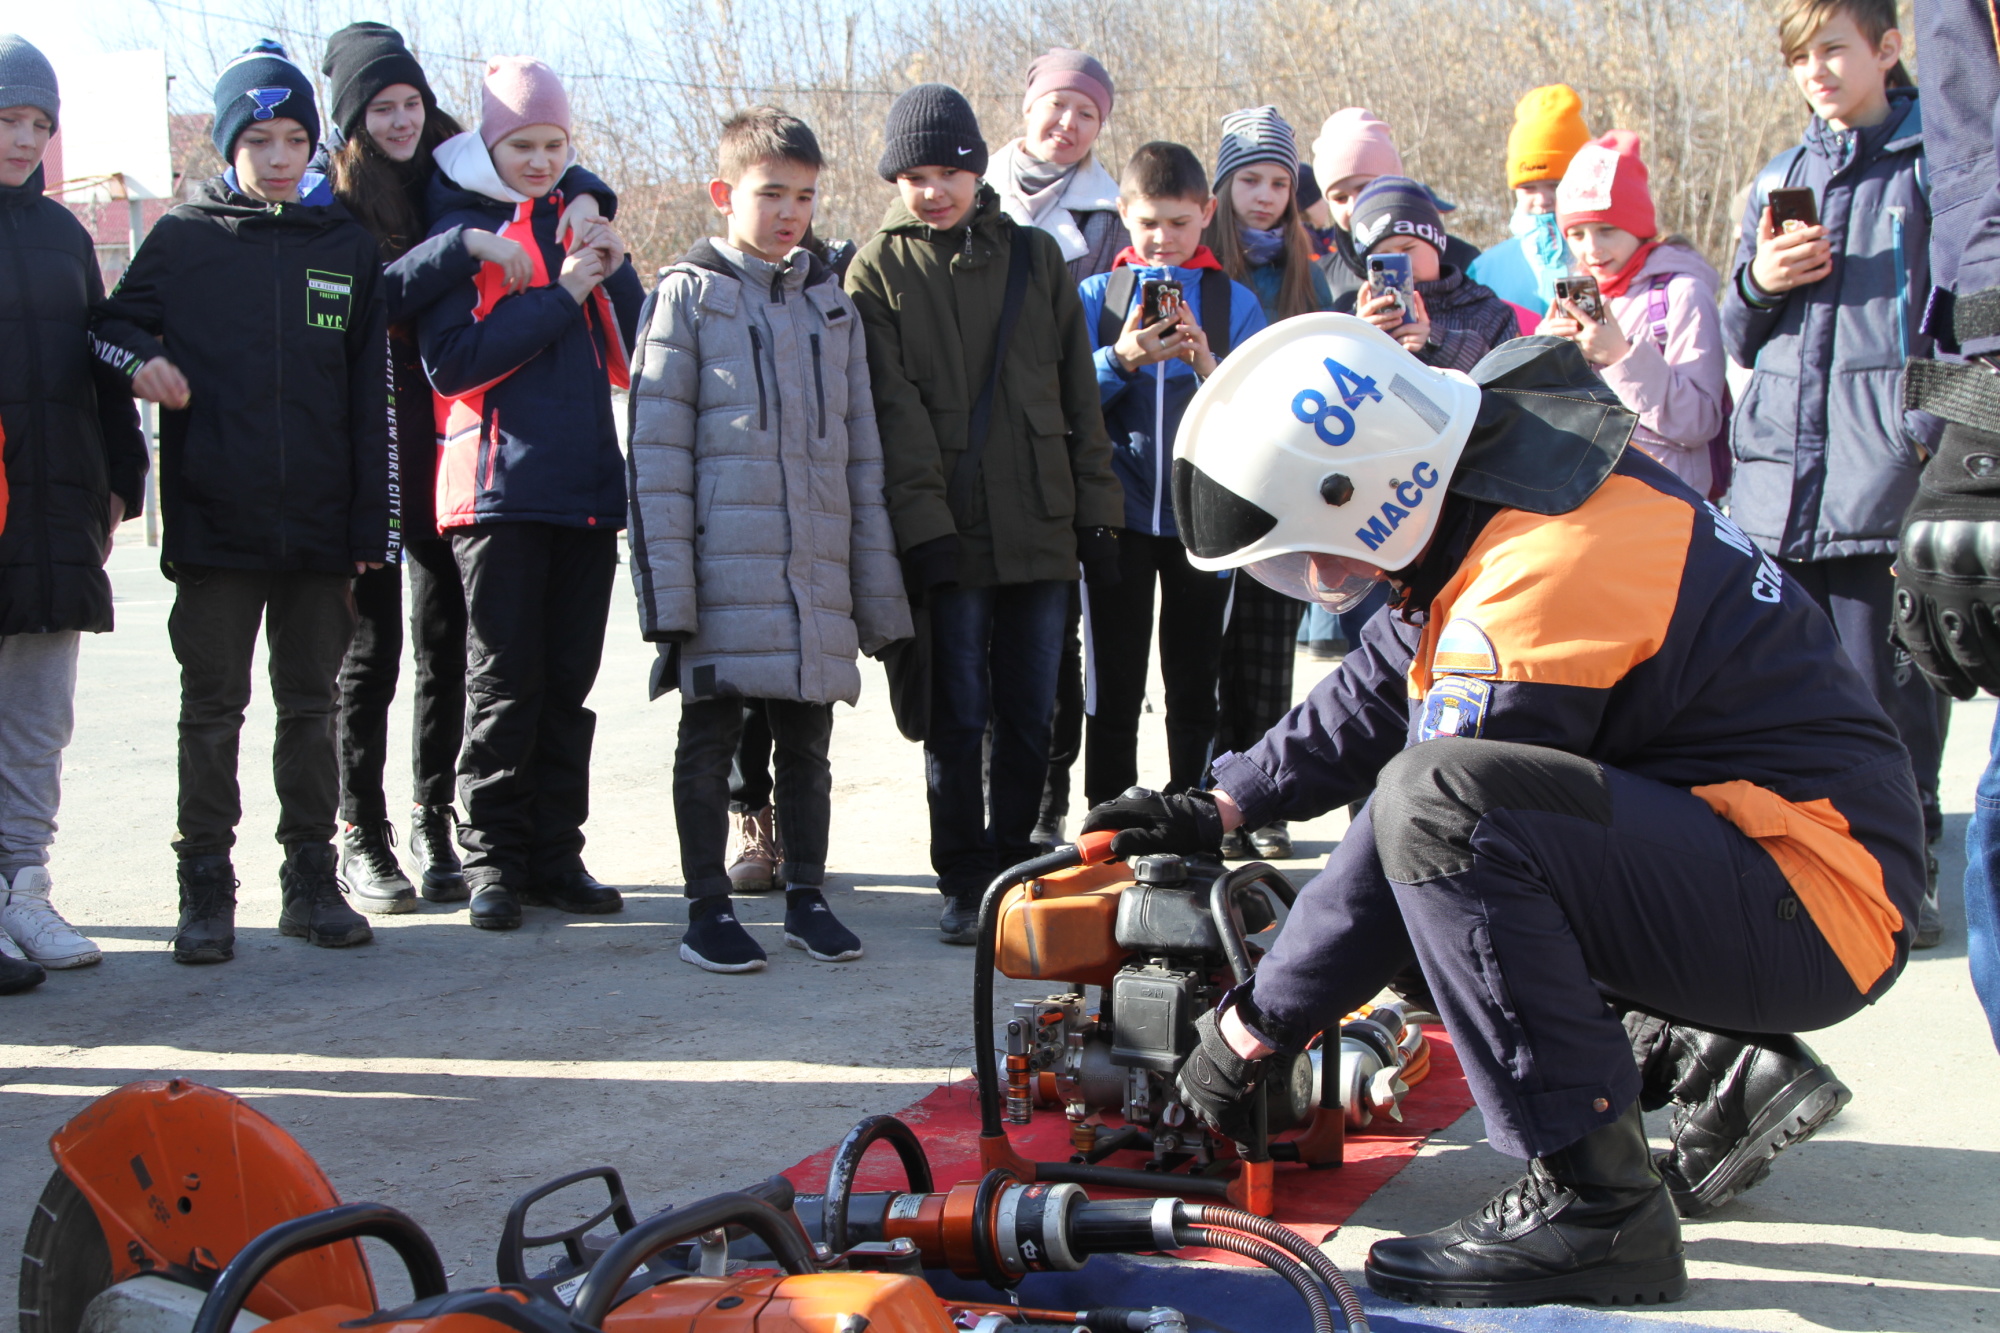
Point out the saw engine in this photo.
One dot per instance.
(1161, 941)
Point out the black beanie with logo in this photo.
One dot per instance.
(932, 125)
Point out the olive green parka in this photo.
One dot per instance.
(930, 303)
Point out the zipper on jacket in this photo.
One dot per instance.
(278, 335)
(1902, 283)
(819, 387)
(757, 362)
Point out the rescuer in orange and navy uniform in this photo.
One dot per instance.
(1620, 768)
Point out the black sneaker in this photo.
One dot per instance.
(574, 891)
(207, 930)
(314, 905)
(1590, 1223)
(716, 941)
(436, 850)
(959, 922)
(1738, 1102)
(811, 925)
(18, 974)
(1048, 836)
(368, 870)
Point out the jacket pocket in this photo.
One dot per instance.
(1048, 433)
(819, 387)
(757, 368)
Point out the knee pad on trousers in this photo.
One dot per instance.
(1431, 797)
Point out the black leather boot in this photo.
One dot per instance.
(313, 907)
(207, 931)
(368, 870)
(1590, 1223)
(1738, 1101)
(432, 843)
(574, 891)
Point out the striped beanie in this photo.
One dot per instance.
(1255, 134)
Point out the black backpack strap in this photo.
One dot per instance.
(1020, 267)
(1215, 298)
(1117, 303)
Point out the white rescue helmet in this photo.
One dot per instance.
(1319, 436)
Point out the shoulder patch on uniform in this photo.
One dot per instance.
(1455, 706)
(1464, 649)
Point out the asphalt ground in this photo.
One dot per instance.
(445, 1070)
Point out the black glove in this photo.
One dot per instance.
(1219, 1085)
(1948, 570)
(1097, 552)
(1150, 821)
(930, 567)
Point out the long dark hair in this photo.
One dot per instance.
(1225, 242)
(387, 196)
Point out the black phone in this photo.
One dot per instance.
(1793, 208)
(1583, 293)
(1391, 275)
(1159, 299)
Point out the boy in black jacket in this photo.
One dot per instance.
(254, 315)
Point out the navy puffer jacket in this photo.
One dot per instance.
(1826, 458)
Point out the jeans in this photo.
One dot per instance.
(1192, 603)
(437, 638)
(308, 619)
(993, 663)
(537, 597)
(37, 717)
(1982, 887)
(1066, 736)
(710, 731)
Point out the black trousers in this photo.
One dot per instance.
(1119, 642)
(537, 597)
(1066, 735)
(750, 769)
(437, 636)
(1533, 884)
(1258, 649)
(1858, 594)
(709, 734)
(307, 620)
(367, 687)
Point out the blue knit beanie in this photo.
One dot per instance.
(261, 84)
(1256, 134)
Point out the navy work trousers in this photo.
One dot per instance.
(1533, 886)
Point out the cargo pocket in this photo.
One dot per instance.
(1049, 435)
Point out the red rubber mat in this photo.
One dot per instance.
(1311, 1202)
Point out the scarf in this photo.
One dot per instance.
(1041, 184)
(1262, 247)
(1617, 284)
(1203, 257)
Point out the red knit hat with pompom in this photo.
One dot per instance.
(1606, 182)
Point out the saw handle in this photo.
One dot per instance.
(594, 1298)
(350, 1221)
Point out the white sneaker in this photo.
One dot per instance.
(43, 935)
(7, 945)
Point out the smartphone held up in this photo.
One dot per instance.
(1391, 275)
(1582, 292)
(1159, 300)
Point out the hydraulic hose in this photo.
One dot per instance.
(1305, 1251)
(847, 1160)
(1275, 1259)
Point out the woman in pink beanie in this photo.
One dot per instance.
(1050, 177)
(1660, 349)
(1353, 150)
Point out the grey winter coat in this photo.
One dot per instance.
(1826, 461)
(760, 541)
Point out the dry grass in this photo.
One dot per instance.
(1699, 79)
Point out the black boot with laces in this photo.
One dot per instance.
(433, 844)
(207, 930)
(1590, 1223)
(314, 907)
(368, 870)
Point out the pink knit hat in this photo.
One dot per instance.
(520, 91)
(1064, 68)
(1354, 142)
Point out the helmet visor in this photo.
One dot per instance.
(1215, 522)
(1295, 575)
